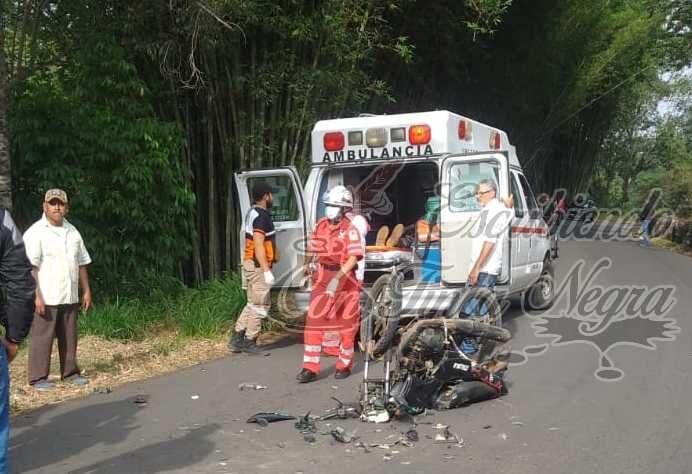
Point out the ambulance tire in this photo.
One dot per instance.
(541, 295)
(381, 314)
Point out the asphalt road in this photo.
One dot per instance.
(559, 417)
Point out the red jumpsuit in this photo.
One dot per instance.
(333, 244)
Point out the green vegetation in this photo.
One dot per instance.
(143, 111)
(203, 312)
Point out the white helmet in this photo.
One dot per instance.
(338, 196)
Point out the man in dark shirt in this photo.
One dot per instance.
(259, 255)
(17, 313)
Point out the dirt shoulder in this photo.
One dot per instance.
(109, 364)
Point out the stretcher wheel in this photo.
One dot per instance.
(381, 315)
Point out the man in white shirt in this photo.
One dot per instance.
(59, 258)
(488, 243)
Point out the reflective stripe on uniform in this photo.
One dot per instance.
(309, 348)
(346, 362)
(346, 352)
(313, 359)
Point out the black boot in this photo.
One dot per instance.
(235, 344)
(342, 374)
(250, 347)
(306, 376)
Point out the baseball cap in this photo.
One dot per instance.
(261, 188)
(56, 193)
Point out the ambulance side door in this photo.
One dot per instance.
(521, 237)
(460, 211)
(288, 214)
(540, 242)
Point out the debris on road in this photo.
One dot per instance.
(487, 427)
(103, 390)
(518, 423)
(309, 438)
(444, 435)
(412, 435)
(504, 436)
(251, 386)
(194, 397)
(141, 400)
(264, 418)
(376, 416)
(342, 411)
(340, 435)
(363, 447)
(305, 424)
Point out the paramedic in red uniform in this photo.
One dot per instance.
(337, 246)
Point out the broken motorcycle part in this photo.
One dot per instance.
(340, 435)
(265, 418)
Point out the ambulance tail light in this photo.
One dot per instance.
(333, 141)
(419, 134)
(464, 130)
(376, 137)
(495, 140)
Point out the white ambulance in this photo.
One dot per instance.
(396, 164)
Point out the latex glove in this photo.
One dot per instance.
(331, 287)
(269, 278)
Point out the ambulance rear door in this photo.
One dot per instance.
(460, 210)
(288, 214)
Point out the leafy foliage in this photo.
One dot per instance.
(88, 127)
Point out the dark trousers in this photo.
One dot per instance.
(61, 322)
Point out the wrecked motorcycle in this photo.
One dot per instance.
(425, 368)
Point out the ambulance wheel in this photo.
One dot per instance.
(542, 294)
(381, 314)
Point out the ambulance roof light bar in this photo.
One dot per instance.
(333, 141)
(419, 134)
(495, 140)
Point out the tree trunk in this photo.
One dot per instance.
(5, 167)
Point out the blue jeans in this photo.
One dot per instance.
(470, 308)
(469, 345)
(644, 229)
(4, 410)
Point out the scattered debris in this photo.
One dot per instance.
(309, 438)
(342, 411)
(518, 423)
(141, 399)
(504, 436)
(334, 387)
(251, 386)
(553, 428)
(386, 458)
(281, 444)
(405, 463)
(103, 390)
(194, 397)
(444, 435)
(363, 446)
(340, 435)
(305, 424)
(487, 427)
(412, 435)
(376, 416)
(264, 418)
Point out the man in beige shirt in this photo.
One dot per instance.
(59, 258)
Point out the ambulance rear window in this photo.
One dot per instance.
(463, 179)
